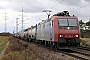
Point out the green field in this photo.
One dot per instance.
(3, 42)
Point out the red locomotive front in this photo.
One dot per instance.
(66, 30)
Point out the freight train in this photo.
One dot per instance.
(61, 31)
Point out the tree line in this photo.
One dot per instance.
(85, 29)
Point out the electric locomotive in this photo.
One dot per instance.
(61, 31)
(66, 30)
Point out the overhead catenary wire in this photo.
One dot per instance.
(56, 4)
(53, 6)
(41, 13)
(50, 8)
(81, 7)
(48, 3)
(63, 1)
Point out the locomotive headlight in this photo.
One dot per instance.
(60, 35)
(76, 35)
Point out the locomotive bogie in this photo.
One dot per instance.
(69, 42)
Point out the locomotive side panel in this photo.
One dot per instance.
(47, 31)
(38, 36)
(51, 30)
(42, 30)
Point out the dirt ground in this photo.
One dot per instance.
(18, 51)
(21, 50)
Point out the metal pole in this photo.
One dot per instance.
(22, 23)
(5, 21)
(22, 18)
(17, 25)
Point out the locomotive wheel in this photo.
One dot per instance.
(51, 45)
(43, 42)
(48, 43)
(58, 46)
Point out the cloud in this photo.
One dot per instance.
(34, 10)
(87, 1)
(30, 6)
(1, 7)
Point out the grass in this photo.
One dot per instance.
(3, 40)
(17, 51)
(85, 42)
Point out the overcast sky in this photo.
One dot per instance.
(33, 11)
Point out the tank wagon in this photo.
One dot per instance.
(61, 31)
(29, 33)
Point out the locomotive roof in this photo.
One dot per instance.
(64, 13)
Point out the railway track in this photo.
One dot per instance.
(75, 55)
(79, 54)
(84, 48)
(83, 52)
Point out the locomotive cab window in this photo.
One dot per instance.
(63, 23)
(73, 22)
(67, 22)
